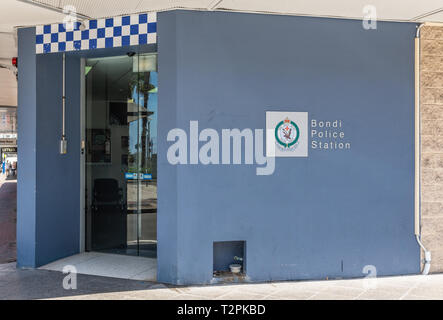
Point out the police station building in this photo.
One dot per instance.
(222, 145)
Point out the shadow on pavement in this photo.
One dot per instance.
(26, 284)
(8, 219)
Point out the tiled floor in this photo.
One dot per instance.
(109, 265)
(43, 284)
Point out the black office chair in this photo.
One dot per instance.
(107, 194)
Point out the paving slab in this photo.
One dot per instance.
(46, 284)
(109, 265)
(8, 218)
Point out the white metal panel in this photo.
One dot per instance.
(386, 9)
(99, 9)
(109, 8)
(401, 10)
(438, 17)
(8, 47)
(173, 4)
(15, 13)
(8, 88)
(8, 82)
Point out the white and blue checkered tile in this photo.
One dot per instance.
(114, 32)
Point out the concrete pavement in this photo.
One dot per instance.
(43, 284)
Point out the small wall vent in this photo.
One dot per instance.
(227, 253)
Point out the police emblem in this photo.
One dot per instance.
(287, 134)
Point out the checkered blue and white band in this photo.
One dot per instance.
(97, 34)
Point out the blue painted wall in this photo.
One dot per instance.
(327, 215)
(338, 211)
(58, 176)
(27, 129)
(49, 184)
(167, 183)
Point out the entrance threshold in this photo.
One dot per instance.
(109, 265)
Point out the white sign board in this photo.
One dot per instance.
(286, 134)
(8, 136)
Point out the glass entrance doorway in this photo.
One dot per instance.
(121, 154)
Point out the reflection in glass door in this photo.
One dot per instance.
(121, 155)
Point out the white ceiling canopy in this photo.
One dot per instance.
(15, 13)
(396, 10)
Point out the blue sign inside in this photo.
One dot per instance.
(141, 176)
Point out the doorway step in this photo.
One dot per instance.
(109, 265)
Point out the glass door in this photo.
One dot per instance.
(147, 155)
(121, 155)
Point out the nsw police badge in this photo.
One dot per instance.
(287, 134)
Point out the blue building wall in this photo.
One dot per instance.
(167, 183)
(27, 129)
(328, 215)
(58, 176)
(48, 207)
